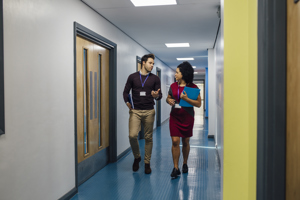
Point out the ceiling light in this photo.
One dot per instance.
(195, 72)
(170, 45)
(185, 58)
(194, 67)
(138, 3)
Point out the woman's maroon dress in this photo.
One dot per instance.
(181, 119)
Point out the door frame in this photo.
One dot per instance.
(2, 108)
(158, 104)
(138, 60)
(271, 102)
(88, 34)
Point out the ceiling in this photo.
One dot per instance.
(190, 21)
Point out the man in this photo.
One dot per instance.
(145, 88)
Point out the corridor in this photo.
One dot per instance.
(117, 181)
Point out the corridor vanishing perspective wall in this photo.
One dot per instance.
(37, 151)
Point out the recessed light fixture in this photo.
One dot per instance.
(170, 45)
(185, 58)
(138, 3)
(194, 67)
(195, 72)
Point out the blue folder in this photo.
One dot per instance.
(192, 93)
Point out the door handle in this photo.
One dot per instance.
(296, 1)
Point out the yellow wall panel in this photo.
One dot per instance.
(240, 96)
(252, 89)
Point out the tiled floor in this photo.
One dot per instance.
(118, 181)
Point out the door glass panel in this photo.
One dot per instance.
(84, 99)
(91, 95)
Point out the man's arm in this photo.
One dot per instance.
(126, 91)
(156, 93)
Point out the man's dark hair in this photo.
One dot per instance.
(145, 58)
(187, 72)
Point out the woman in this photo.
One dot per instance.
(181, 118)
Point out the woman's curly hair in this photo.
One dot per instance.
(187, 72)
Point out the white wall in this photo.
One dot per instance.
(37, 152)
(167, 78)
(212, 105)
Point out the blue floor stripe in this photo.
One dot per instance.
(117, 181)
(191, 146)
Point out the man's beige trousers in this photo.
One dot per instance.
(138, 117)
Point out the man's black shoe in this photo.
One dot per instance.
(147, 168)
(175, 173)
(185, 168)
(136, 164)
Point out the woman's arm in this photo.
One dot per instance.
(196, 102)
(170, 101)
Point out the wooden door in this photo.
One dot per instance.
(92, 86)
(139, 66)
(293, 101)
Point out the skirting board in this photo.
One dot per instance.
(124, 153)
(69, 195)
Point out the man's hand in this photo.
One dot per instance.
(129, 105)
(155, 94)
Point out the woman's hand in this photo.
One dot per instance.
(170, 101)
(196, 103)
(183, 96)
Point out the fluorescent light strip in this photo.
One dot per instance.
(195, 72)
(170, 45)
(202, 147)
(194, 67)
(138, 3)
(185, 58)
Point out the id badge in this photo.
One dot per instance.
(142, 94)
(177, 105)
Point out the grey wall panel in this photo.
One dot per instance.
(219, 53)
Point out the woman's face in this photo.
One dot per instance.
(178, 75)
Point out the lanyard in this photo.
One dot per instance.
(178, 93)
(144, 80)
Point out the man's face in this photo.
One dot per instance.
(149, 65)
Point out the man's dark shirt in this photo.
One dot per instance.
(134, 83)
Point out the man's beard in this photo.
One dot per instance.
(148, 71)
